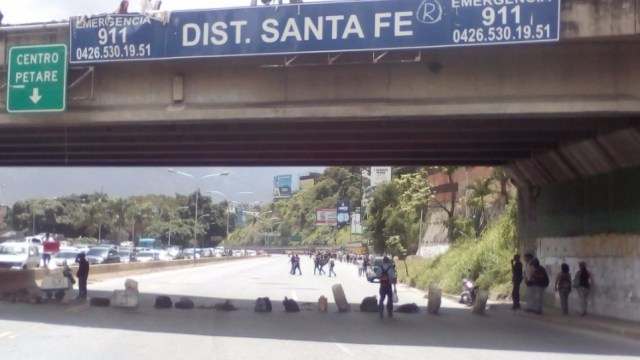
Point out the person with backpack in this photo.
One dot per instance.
(538, 282)
(563, 287)
(387, 276)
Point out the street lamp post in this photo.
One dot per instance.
(195, 218)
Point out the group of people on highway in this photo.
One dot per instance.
(537, 280)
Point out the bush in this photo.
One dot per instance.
(486, 260)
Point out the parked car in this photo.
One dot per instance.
(144, 256)
(102, 255)
(127, 256)
(19, 255)
(65, 255)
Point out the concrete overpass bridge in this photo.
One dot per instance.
(563, 117)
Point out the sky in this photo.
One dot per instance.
(23, 183)
(33, 11)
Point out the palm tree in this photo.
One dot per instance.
(500, 175)
(480, 189)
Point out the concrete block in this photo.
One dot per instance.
(125, 299)
(435, 300)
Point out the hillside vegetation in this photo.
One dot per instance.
(485, 259)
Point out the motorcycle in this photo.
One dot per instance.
(468, 295)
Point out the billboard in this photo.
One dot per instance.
(240, 217)
(342, 210)
(326, 217)
(282, 186)
(356, 225)
(380, 175)
(343, 26)
(307, 184)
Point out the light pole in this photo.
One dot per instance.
(195, 217)
(171, 218)
(200, 217)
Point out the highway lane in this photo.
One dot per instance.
(53, 331)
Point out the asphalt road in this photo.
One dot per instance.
(54, 331)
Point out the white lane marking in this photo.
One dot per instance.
(294, 296)
(344, 348)
(5, 334)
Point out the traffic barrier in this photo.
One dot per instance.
(15, 280)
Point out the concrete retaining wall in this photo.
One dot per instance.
(614, 262)
(16, 280)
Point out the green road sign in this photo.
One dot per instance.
(37, 78)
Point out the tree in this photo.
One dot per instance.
(502, 178)
(395, 248)
(380, 210)
(451, 209)
(480, 189)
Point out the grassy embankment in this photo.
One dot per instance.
(486, 260)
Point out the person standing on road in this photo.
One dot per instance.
(539, 281)
(387, 277)
(296, 265)
(516, 280)
(46, 252)
(83, 275)
(584, 282)
(293, 264)
(331, 266)
(563, 287)
(528, 271)
(365, 265)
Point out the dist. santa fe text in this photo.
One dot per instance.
(298, 29)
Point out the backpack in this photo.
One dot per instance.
(369, 304)
(564, 282)
(163, 302)
(263, 304)
(290, 305)
(184, 303)
(544, 281)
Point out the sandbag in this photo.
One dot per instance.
(263, 304)
(131, 286)
(408, 308)
(369, 304)
(340, 298)
(185, 303)
(163, 302)
(290, 305)
(323, 303)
